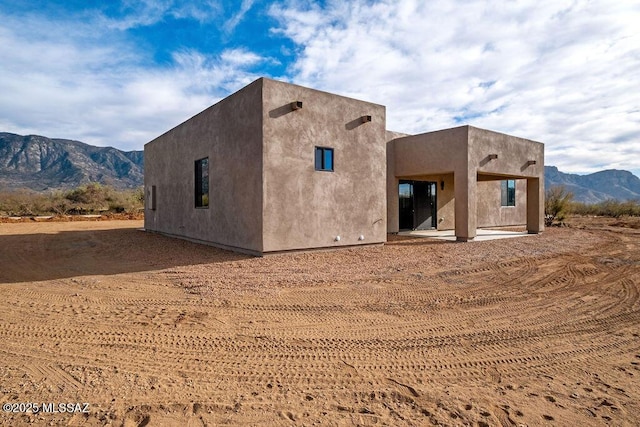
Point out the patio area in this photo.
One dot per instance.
(482, 234)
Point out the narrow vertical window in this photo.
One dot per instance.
(202, 183)
(508, 192)
(324, 159)
(150, 198)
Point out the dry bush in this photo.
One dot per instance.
(22, 202)
(90, 198)
(126, 201)
(611, 208)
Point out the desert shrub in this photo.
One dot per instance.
(23, 203)
(90, 198)
(59, 204)
(611, 208)
(557, 204)
(126, 201)
(583, 209)
(632, 207)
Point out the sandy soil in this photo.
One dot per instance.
(538, 330)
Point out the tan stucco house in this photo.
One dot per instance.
(277, 167)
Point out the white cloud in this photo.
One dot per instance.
(145, 12)
(232, 23)
(103, 93)
(558, 72)
(202, 11)
(240, 57)
(136, 13)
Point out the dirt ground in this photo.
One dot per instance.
(148, 330)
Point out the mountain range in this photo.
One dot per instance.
(596, 187)
(43, 164)
(39, 163)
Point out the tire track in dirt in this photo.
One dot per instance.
(366, 349)
(54, 375)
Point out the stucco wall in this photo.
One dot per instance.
(305, 208)
(513, 153)
(230, 134)
(393, 204)
(490, 211)
(437, 152)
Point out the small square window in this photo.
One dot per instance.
(508, 192)
(324, 159)
(202, 183)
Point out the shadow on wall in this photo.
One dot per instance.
(487, 159)
(527, 164)
(280, 111)
(34, 257)
(285, 109)
(293, 106)
(357, 122)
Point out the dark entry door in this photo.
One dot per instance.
(406, 205)
(418, 207)
(424, 196)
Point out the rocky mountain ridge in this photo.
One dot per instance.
(39, 163)
(596, 187)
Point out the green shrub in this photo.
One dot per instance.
(557, 204)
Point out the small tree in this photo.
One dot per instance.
(126, 200)
(92, 197)
(556, 205)
(59, 204)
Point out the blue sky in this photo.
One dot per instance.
(119, 73)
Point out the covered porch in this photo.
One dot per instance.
(461, 171)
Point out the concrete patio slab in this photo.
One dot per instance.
(482, 234)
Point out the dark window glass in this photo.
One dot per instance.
(508, 192)
(324, 159)
(318, 159)
(202, 183)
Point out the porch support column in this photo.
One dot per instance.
(465, 188)
(393, 205)
(393, 202)
(535, 206)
